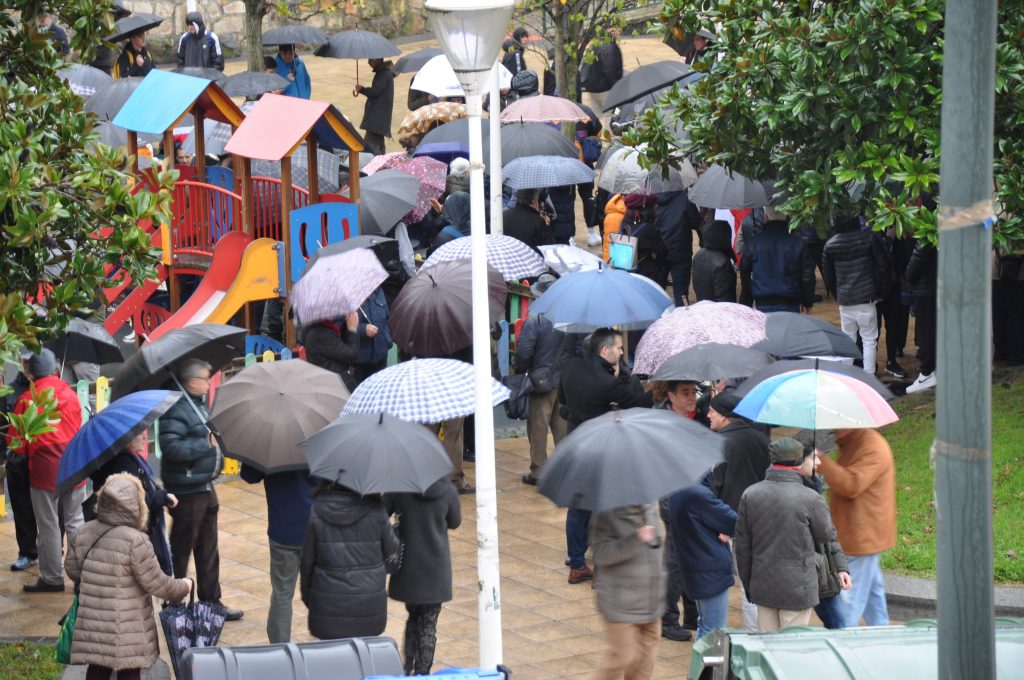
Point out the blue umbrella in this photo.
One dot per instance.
(585, 301)
(541, 172)
(107, 433)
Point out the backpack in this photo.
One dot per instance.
(591, 148)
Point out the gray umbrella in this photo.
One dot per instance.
(644, 80)
(115, 135)
(621, 173)
(802, 335)
(385, 197)
(204, 73)
(109, 99)
(253, 84)
(85, 341)
(629, 457)
(386, 249)
(712, 361)
(265, 411)
(295, 34)
(84, 80)
(377, 453)
(413, 62)
(357, 44)
(719, 187)
(533, 139)
(151, 366)
(124, 28)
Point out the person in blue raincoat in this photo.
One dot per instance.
(292, 68)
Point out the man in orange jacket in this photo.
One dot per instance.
(44, 454)
(862, 483)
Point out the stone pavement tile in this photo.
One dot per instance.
(562, 632)
(519, 618)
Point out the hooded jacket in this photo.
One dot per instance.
(423, 522)
(631, 580)
(856, 267)
(714, 274)
(201, 50)
(614, 213)
(342, 565)
(380, 100)
(301, 86)
(189, 463)
(112, 561)
(44, 452)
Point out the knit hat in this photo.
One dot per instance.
(638, 200)
(43, 364)
(786, 451)
(724, 403)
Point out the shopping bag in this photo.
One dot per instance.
(622, 251)
(196, 624)
(67, 633)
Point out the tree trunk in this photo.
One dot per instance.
(561, 65)
(255, 10)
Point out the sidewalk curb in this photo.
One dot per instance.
(917, 596)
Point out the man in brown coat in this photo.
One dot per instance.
(862, 480)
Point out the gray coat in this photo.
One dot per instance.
(630, 582)
(778, 524)
(425, 576)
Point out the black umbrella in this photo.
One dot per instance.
(84, 80)
(385, 197)
(151, 366)
(123, 28)
(433, 315)
(720, 187)
(413, 62)
(377, 453)
(386, 249)
(203, 72)
(295, 34)
(644, 80)
(534, 139)
(84, 341)
(253, 84)
(799, 335)
(712, 361)
(357, 44)
(109, 99)
(629, 457)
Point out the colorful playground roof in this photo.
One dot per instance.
(277, 125)
(163, 98)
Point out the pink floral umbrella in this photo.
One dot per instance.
(543, 109)
(720, 322)
(336, 285)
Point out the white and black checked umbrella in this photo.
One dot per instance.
(510, 256)
(541, 172)
(421, 391)
(84, 80)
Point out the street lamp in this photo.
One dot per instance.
(470, 33)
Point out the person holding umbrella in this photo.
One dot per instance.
(135, 61)
(290, 66)
(380, 99)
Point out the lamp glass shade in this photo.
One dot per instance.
(470, 33)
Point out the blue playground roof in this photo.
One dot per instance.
(163, 98)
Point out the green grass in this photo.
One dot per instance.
(911, 440)
(27, 661)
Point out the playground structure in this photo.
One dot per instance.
(225, 226)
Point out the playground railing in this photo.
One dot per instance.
(266, 206)
(201, 214)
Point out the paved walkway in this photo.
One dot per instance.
(551, 629)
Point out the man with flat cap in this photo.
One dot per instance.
(778, 524)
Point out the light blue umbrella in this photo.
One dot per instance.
(541, 172)
(584, 301)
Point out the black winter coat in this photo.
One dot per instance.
(714, 274)
(189, 464)
(923, 270)
(333, 348)
(676, 218)
(746, 462)
(540, 347)
(778, 523)
(342, 566)
(563, 225)
(380, 101)
(651, 253)
(856, 267)
(524, 223)
(425, 576)
(201, 50)
(588, 389)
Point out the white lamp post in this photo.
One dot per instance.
(470, 33)
(497, 225)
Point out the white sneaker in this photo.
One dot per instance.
(923, 382)
(593, 237)
(130, 337)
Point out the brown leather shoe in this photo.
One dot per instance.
(41, 586)
(580, 575)
(468, 489)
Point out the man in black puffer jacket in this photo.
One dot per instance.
(857, 269)
(189, 464)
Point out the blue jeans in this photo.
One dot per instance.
(712, 613)
(576, 539)
(867, 596)
(832, 612)
(777, 308)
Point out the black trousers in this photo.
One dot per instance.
(420, 637)
(586, 193)
(374, 142)
(925, 314)
(1008, 321)
(194, 532)
(21, 506)
(895, 316)
(674, 590)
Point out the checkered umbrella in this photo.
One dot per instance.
(216, 135)
(84, 80)
(421, 391)
(542, 108)
(722, 322)
(510, 256)
(327, 167)
(621, 173)
(541, 172)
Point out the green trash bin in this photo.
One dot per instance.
(901, 652)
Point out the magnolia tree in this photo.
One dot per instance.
(67, 212)
(839, 103)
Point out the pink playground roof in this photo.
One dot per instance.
(278, 124)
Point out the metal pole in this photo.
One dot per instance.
(494, 113)
(963, 438)
(486, 489)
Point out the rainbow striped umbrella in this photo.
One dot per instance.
(817, 395)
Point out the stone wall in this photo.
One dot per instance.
(226, 18)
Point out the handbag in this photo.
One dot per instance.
(517, 406)
(622, 251)
(828, 573)
(67, 629)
